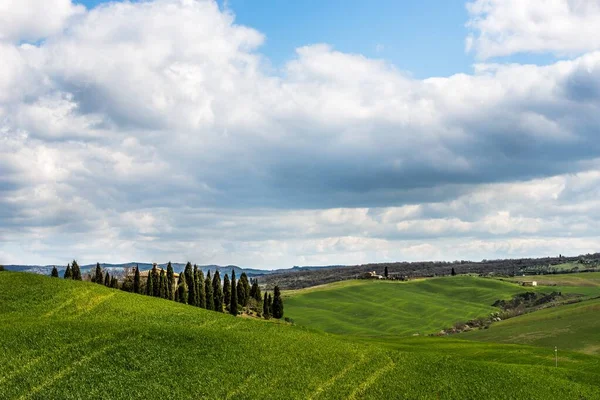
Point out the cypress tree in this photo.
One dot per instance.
(217, 292)
(385, 272)
(136, 280)
(255, 291)
(114, 283)
(182, 290)
(170, 281)
(150, 284)
(233, 302)
(210, 302)
(240, 293)
(54, 273)
(76, 271)
(155, 281)
(68, 272)
(162, 292)
(226, 290)
(277, 303)
(200, 289)
(266, 313)
(98, 278)
(453, 273)
(244, 297)
(189, 278)
(270, 304)
(107, 279)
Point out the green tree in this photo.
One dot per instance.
(136, 280)
(217, 292)
(270, 304)
(54, 273)
(182, 290)
(385, 272)
(170, 281)
(98, 278)
(233, 302)
(200, 289)
(453, 272)
(226, 290)
(277, 303)
(76, 271)
(190, 280)
(244, 297)
(68, 272)
(107, 279)
(114, 283)
(150, 284)
(266, 311)
(241, 293)
(155, 281)
(255, 291)
(210, 302)
(162, 292)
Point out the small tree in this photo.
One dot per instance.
(98, 278)
(162, 282)
(114, 283)
(233, 303)
(200, 288)
(136, 280)
(277, 303)
(226, 290)
(191, 282)
(76, 271)
(385, 272)
(68, 272)
(453, 273)
(217, 292)
(150, 284)
(182, 290)
(170, 281)
(54, 273)
(266, 311)
(107, 279)
(210, 302)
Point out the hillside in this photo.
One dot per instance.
(60, 337)
(381, 308)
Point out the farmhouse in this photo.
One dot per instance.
(529, 283)
(372, 275)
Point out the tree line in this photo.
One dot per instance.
(193, 288)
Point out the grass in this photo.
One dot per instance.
(65, 339)
(581, 280)
(571, 327)
(387, 308)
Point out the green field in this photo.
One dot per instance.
(69, 339)
(570, 327)
(392, 308)
(582, 280)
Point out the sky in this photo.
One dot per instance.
(269, 134)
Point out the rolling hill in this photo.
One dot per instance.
(62, 337)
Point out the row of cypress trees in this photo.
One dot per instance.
(205, 292)
(72, 272)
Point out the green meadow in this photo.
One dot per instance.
(69, 339)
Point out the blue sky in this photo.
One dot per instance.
(157, 131)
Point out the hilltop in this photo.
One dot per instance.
(63, 336)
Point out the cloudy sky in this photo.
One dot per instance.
(263, 134)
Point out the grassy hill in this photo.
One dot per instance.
(66, 339)
(384, 308)
(571, 327)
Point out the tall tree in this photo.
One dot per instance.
(162, 292)
(98, 278)
(226, 290)
(217, 292)
(107, 279)
(241, 293)
(68, 272)
(114, 283)
(453, 272)
(200, 289)
(210, 302)
(233, 302)
(136, 280)
(182, 290)
(155, 281)
(277, 303)
(54, 273)
(150, 284)
(266, 311)
(190, 280)
(255, 291)
(76, 271)
(170, 281)
(270, 304)
(385, 272)
(246, 290)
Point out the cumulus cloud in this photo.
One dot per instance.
(505, 27)
(156, 130)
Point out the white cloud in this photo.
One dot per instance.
(505, 27)
(152, 130)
